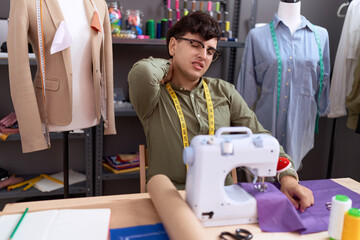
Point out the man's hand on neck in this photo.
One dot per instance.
(185, 84)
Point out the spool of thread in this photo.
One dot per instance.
(193, 6)
(185, 4)
(168, 4)
(209, 8)
(351, 228)
(170, 18)
(228, 33)
(176, 4)
(158, 29)
(218, 16)
(217, 8)
(150, 28)
(177, 15)
(164, 27)
(340, 204)
(201, 8)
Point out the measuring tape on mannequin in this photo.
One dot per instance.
(39, 21)
(179, 111)
(321, 78)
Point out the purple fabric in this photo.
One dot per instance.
(279, 215)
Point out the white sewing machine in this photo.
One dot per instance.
(210, 158)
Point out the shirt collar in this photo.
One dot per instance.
(304, 22)
(182, 89)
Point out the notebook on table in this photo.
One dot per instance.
(58, 224)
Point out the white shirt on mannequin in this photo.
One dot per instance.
(83, 100)
(290, 14)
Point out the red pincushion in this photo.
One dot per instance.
(283, 164)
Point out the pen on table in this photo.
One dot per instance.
(52, 179)
(17, 225)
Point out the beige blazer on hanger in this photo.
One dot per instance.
(26, 92)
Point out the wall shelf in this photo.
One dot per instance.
(76, 188)
(162, 42)
(4, 58)
(106, 175)
(53, 136)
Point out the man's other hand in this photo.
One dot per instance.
(300, 196)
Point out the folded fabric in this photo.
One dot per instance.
(275, 211)
(62, 38)
(277, 214)
(7, 130)
(10, 181)
(95, 22)
(8, 120)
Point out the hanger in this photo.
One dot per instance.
(341, 7)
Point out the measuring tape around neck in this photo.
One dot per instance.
(39, 22)
(278, 57)
(179, 111)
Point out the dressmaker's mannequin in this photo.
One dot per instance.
(289, 12)
(282, 60)
(78, 87)
(83, 103)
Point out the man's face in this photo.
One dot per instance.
(192, 56)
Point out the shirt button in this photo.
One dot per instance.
(290, 57)
(289, 70)
(287, 83)
(192, 95)
(198, 115)
(284, 109)
(285, 97)
(282, 135)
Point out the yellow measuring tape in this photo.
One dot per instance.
(179, 111)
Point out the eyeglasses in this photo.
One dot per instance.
(210, 52)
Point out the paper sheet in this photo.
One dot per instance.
(58, 224)
(179, 220)
(46, 185)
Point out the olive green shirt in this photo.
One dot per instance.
(155, 108)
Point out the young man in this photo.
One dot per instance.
(167, 95)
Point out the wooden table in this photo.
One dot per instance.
(137, 209)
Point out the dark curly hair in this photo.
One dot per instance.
(198, 22)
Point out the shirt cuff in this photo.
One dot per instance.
(289, 172)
